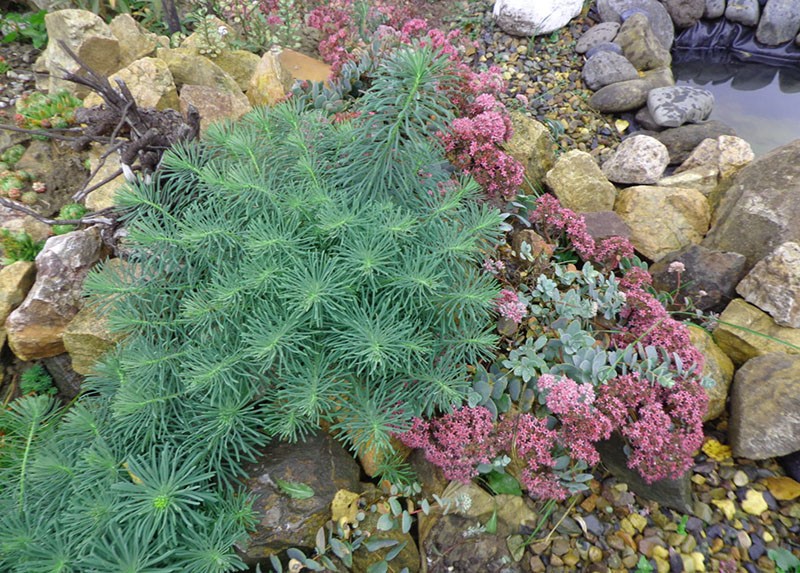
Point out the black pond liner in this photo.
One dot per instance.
(719, 50)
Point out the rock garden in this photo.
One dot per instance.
(377, 286)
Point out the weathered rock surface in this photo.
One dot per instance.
(631, 94)
(764, 199)
(598, 34)
(745, 12)
(86, 339)
(673, 106)
(214, 104)
(239, 64)
(531, 145)
(320, 463)
(703, 178)
(193, 69)
(150, 82)
(727, 153)
(709, 278)
(685, 13)
(639, 159)
(714, 9)
(657, 15)
(135, 41)
(773, 285)
(745, 332)
(15, 281)
(36, 327)
(779, 23)
(301, 67)
(605, 68)
(681, 141)
(604, 224)
(269, 82)
(663, 219)
(524, 18)
(765, 402)
(640, 44)
(717, 367)
(579, 184)
(104, 196)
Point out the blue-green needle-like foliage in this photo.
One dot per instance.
(288, 271)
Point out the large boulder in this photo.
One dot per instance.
(322, 464)
(270, 82)
(717, 367)
(685, 13)
(239, 64)
(15, 281)
(631, 94)
(579, 184)
(87, 339)
(36, 327)
(773, 285)
(657, 15)
(150, 82)
(703, 178)
(135, 42)
(663, 219)
(764, 404)
(779, 23)
(526, 18)
(744, 332)
(640, 44)
(673, 106)
(213, 104)
(638, 160)
(532, 145)
(86, 34)
(761, 209)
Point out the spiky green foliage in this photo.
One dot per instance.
(286, 272)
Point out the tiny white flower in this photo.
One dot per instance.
(222, 31)
(676, 267)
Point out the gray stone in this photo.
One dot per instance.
(744, 12)
(773, 285)
(661, 23)
(606, 68)
(765, 402)
(320, 463)
(674, 106)
(673, 493)
(709, 278)
(36, 327)
(764, 199)
(602, 33)
(640, 44)
(645, 119)
(604, 47)
(638, 160)
(779, 23)
(579, 184)
(64, 376)
(605, 224)
(631, 94)
(681, 141)
(525, 18)
(714, 9)
(685, 13)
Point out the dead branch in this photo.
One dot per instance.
(88, 219)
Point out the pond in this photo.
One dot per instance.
(760, 102)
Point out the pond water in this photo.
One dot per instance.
(760, 102)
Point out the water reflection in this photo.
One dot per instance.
(760, 102)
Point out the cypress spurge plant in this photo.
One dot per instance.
(288, 272)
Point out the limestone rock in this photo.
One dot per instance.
(717, 367)
(764, 404)
(579, 184)
(714, 9)
(605, 68)
(36, 327)
(681, 141)
(301, 67)
(675, 105)
(239, 64)
(639, 159)
(685, 13)
(192, 69)
(86, 339)
(709, 278)
(727, 153)
(598, 34)
(320, 463)
(150, 82)
(779, 23)
(531, 145)
(764, 199)
(773, 285)
(214, 104)
(269, 82)
(640, 45)
(525, 18)
(88, 36)
(744, 12)
(604, 47)
(657, 15)
(745, 332)
(703, 178)
(135, 41)
(631, 94)
(15, 281)
(103, 196)
(663, 219)
(17, 222)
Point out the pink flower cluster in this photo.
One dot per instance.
(509, 306)
(473, 147)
